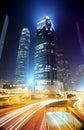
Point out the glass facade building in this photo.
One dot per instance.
(23, 57)
(44, 55)
(63, 70)
(3, 34)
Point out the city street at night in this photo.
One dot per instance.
(41, 116)
(17, 119)
(41, 65)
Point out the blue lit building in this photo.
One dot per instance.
(3, 34)
(23, 58)
(45, 73)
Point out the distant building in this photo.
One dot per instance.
(80, 77)
(3, 34)
(45, 72)
(2, 82)
(23, 58)
(63, 70)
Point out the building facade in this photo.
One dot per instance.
(63, 71)
(3, 34)
(23, 58)
(80, 78)
(45, 55)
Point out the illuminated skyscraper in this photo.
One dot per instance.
(23, 57)
(63, 70)
(3, 34)
(45, 55)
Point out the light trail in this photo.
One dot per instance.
(79, 105)
(52, 121)
(64, 120)
(12, 115)
(42, 127)
(26, 119)
(17, 118)
(20, 122)
(6, 117)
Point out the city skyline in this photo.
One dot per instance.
(42, 65)
(66, 29)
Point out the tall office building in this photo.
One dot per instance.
(45, 55)
(3, 34)
(23, 58)
(63, 70)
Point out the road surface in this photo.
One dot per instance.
(18, 119)
(62, 121)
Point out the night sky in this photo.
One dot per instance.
(25, 13)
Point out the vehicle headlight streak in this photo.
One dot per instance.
(27, 112)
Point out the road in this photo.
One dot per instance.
(62, 120)
(33, 117)
(18, 119)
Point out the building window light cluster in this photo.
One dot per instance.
(51, 29)
(48, 66)
(52, 44)
(41, 70)
(54, 69)
(41, 46)
(43, 82)
(40, 75)
(40, 65)
(40, 34)
(38, 47)
(36, 55)
(21, 61)
(47, 70)
(52, 51)
(26, 47)
(40, 51)
(45, 43)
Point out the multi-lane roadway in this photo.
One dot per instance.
(18, 118)
(35, 117)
